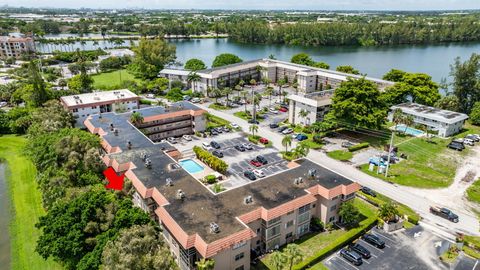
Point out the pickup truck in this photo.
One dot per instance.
(444, 212)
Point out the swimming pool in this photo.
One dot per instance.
(412, 131)
(191, 166)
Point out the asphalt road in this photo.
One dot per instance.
(468, 223)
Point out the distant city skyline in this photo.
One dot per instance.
(253, 4)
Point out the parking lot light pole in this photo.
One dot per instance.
(390, 148)
(254, 107)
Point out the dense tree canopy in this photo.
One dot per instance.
(305, 59)
(50, 118)
(347, 69)
(475, 114)
(449, 102)
(137, 248)
(356, 103)
(466, 82)
(226, 59)
(151, 56)
(195, 64)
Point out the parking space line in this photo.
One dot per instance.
(373, 246)
(349, 264)
(383, 236)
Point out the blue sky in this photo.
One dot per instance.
(256, 4)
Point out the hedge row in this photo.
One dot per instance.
(348, 237)
(358, 146)
(211, 160)
(413, 217)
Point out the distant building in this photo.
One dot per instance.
(446, 123)
(84, 105)
(316, 105)
(11, 46)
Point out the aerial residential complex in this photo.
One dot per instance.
(198, 223)
(13, 46)
(84, 105)
(446, 123)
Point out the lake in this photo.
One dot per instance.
(373, 61)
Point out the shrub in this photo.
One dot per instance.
(210, 179)
(254, 139)
(358, 146)
(146, 102)
(211, 160)
(475, 114)
(318, 138)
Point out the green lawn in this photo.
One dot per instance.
(473, 192)
(321, 244)
(111, 80)
(341, 155)
(246, 117)
(27, 205)
(218, 107)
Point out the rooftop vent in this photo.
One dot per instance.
(129, 145)
(248, 199)
(96, 98)
(111, 126)
(312, 173)
(169, 182)
(298, 181)
(115, 131)
(180, 194)
(148, 163)
(214, 228)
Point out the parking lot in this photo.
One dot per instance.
(413, 249)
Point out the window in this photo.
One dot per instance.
(258, 230)
(273, 221)
(289, 224)
(94, 107)
(303, 209)
(240, 268)
(274, 231)
(289, 213)
(303, 228)
(303, 217)
(332, 219)
(313, 206)
(75, 110)
(333, 207)
(239, 256)
(290, 234)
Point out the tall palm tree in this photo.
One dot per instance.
(269, 92)
(192, 78)
(136, 118)
(217, 93)
(408, 121)
(278, 259)
(244, 94)
(205, 264)
(226, 92)
(388, 212)
(280, 84)
(294, 255)
(253, 129)
(397, 117)
(287, 142)
(303, 114)
(301, 150)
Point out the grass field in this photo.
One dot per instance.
(111, 80)
(341, 155)
(473, 192)
(27, 206)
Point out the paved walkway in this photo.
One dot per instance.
(468, 224)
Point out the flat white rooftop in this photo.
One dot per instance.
(97, 97)
(443, 116)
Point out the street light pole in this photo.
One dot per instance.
(254, 108)
(390, 148)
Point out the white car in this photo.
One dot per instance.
(235, 126)
(259, 173)
(273, 110)
(187, 137)
(294, 135)
(150, 96)
(195, 100)
(287, 131)
(469, 142)
(206, 146)
(172, 140)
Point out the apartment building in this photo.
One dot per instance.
(173, 121)
(309, 79)
(12, 46)
(198, 223)
(446, 123)
(310, 108)
(84, 105)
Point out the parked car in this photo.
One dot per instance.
(294, 135)
(218, 129)
(239, 147)
(259, 173)
(217, 153)
(263, 140)
(282, 128)
(456, 146)
(373, 240)
(283, 109)
(444, 212)
(468, 142)
(213, 132)
(262, 159)
(377, 161)
(235, 126)
(150, 96)
(365, 253)
(195, 100)
(172, 140)
(250, 175)
(206, 146)
(273, 125)
(458, 140)
(301, 137)
(225, 129)
(287, 131)
(272, 110)
(473, 137)
(187, 97)
(252, 121)
(187, 137)
(255, 163)
(368, 191)
(351, 256)
(215, 145)
(247, 146)
(347, 144)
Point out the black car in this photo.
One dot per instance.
(262, 160)
(456, 146)
(282, 128)
(351, 256)
(361, 250)
(369, 191)
(215, 145)
(251, 121)
(213, 132)
(373, 240)
(217, 153)
(240, 147)
(273, 125)
(250, 175)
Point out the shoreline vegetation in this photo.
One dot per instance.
(26, 205)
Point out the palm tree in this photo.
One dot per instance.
(301, 150)
(294, 254)
(426, 130)
(287, 142)
(253, 129)
(136, 118)
(245, 93)
(192, 78)
(303, 114)
(226, 92)
(205, 264)
(253, 82)
(217, 93)
(397, 117)
(278, 259)
(269, 92)
(280, 83)
(408, 121)
(388, 212)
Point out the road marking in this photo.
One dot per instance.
(374, 247)
(378, 234)
(475, 266)
(349, 263)
(373, 255)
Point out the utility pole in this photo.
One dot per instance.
(254, 107)
(390, 148)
